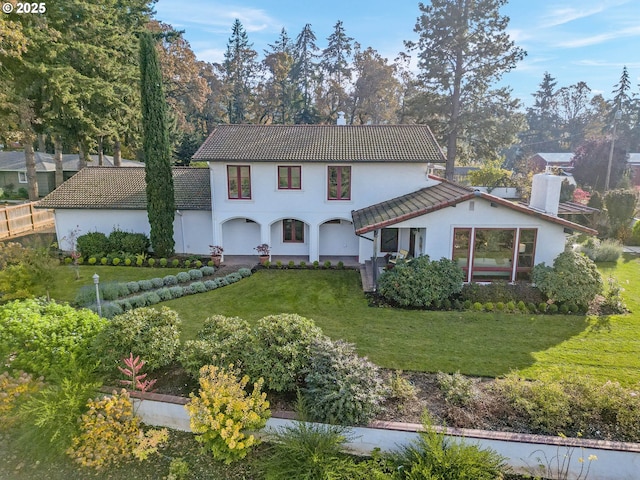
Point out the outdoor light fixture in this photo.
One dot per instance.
(96, 280)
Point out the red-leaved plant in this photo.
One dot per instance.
(135, 379)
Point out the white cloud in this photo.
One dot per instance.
(600, 38)
(211, 55)
(561, 15)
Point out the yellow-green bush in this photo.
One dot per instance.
(13, 388)
(223, 413)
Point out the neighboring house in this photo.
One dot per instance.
(634, 168)
(13, 169)
(99, 199)
(331, 191)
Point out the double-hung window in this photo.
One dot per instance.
(339, 183)
(239, 182)
(22, 177)
(289, 178)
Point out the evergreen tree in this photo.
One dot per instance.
(462, 49)
(157, 150)
(240, 69)
(335, 61)
(543, 118)
(304, 74)
(279, 89)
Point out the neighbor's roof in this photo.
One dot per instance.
(437, 197)
(321, 143)
(125, 189)
(14, 161)
(560, 157)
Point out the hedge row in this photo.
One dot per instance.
(152, 297)
(136, 261)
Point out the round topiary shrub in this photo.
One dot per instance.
(177, 291)
(553, 308)
(104, 260)
(244, 272)
(183, 277)
(170, 280)
(573, 278)
(175, 263)
(198, 287)
(233, 277)
(195, 274)
(151, 333)
(342, 387)
(145, 285)
(207, 271)
(164, 294)
(151, 262)
(163, 262)
(133, 287)
(421, 282)
(210, 284)
(157, 282)
(127, 262)
(92, 260)
(280, 350)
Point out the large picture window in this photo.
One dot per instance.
(239, 182)
(293, 231)
(289, 178)
(493, 254)
(339, 183)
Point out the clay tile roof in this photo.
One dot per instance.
(408, 206)
(125, 189)
(321, 143)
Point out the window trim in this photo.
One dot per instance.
(339, 182)
(293, 231)
(466, 268)
(22, 177)
(289, 177)
(238, 178)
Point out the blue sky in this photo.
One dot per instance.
(574, 40)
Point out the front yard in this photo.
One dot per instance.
(479, 344)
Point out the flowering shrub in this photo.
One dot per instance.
(222, 413)
(12, 389)
(110, 432)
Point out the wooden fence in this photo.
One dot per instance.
(20, 219)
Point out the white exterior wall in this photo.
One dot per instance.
(191, 231)
(370, 183)
(439, 225)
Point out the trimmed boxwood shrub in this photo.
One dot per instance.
(145, 285)
(175, 262)
(163, 262)
(233, 277)
(151, 298)
(164, 294)
(177, 291)
(170, 280)
(195, 274)
(183, 277)
(421, 282)
(207, 271)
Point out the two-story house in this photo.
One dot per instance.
(316, 191)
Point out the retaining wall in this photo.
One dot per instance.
(615, 460)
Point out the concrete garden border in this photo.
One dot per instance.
(524, 452)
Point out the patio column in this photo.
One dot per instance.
(314, 242)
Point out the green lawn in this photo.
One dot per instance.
(484, 344)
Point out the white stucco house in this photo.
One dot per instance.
(329, 191)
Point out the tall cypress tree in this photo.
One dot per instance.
(157, 150)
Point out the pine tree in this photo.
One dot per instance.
(543, 118)
(240, 69)
(280, 91)
(304, 73)
(463, 49)
(157, 150)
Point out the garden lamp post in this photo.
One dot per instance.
(616, 118)
(96, 281)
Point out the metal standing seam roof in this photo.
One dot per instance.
(124, 188)
(321, 143)
(437, 197)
